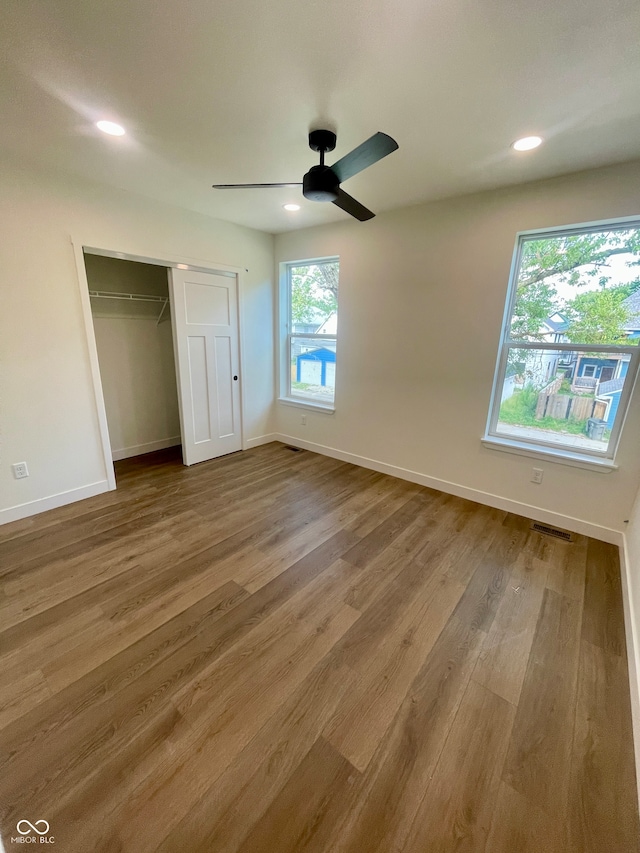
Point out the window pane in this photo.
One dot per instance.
(313, 369)
(579, 288)
(314, 298)
(569, 399)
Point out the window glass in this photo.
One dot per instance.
(313, 328)
(560, 398)
(569, 352)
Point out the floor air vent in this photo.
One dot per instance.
(552, 531)
(295, 449)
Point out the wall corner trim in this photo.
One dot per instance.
(261, 439)
(15, 513)
(633, 650)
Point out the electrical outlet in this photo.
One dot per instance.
(303, 420)
(20, 470)
(537, 475)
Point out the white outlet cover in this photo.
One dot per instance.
(20, 470)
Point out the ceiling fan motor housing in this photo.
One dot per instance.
(320, 184)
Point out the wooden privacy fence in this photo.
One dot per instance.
(564, 407)
(553, 386)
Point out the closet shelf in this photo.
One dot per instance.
(139, 297)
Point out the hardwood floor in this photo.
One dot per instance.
(277, 652)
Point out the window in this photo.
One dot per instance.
(310, 326)
(569, 350)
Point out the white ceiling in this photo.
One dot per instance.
(225, 91)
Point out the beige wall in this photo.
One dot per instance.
(48, 414)
(422, 293)
(633, 556)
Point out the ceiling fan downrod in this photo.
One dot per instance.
(321, 183)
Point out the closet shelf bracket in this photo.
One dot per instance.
(162, 312)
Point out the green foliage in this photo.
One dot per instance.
(598, 317)
(529, 398)
(534, 304)
(314, 292)
(520, 410)
(629, 288)
(577, 260)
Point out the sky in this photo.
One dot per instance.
(617, 269)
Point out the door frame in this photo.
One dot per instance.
(168, 260)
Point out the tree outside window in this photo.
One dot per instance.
(569, 352)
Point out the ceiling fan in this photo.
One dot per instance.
(322, 183)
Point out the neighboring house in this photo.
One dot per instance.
(542, 365)
(304, 328)
(603, 369)
(610, 371)
(632, 304)
(585, 373)
(610, 392)
(553, 330)
(585, 367)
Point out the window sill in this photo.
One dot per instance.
(562, 457)
(307, 404)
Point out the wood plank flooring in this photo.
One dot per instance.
(277, 652)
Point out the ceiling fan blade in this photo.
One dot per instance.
(350, 205)
(374, 149)
(250, 186)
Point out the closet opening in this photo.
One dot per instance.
(164, 342)
(131, 313)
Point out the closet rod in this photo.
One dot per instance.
(143, 297)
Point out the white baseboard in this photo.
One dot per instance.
(149, 447)
(577, 525)
(261, 439)
(633, 650)
(15, 513)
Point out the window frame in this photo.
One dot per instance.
(286, 336)
(538, 447)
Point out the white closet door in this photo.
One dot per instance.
(205, 334)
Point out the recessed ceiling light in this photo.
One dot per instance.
(111, 128)
(527, 143)
(291, 206)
